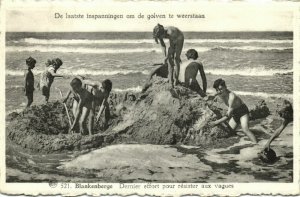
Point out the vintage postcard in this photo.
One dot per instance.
(164, 98)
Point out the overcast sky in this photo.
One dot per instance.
(218, 17)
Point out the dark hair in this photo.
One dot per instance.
(287, 111)
(30, 60)
(192, 53)
(57, 62)
(107, 85)
(219, 82)
(158, 30)
(76, 83)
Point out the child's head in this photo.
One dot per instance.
(192, 54)
(107, 85)
(286, 111)
(30, 62)
(220, 86)
(48, 62)
(56, 63)
(158, 32)
(76, 84)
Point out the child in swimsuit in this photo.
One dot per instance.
(47, 77)
(29, 80)
(238, 112)
(82, 106)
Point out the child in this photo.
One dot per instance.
(101, 93)
(189, 73)
(29, 80)
(47, 77)
(176, 40)
(287, 114)
(237, 110)
(82, 106)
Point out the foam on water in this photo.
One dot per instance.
(141, 41)
(257, 94)
(259, 71)
(85, 50)
(132, 89)
(90, 50)
(81, 72)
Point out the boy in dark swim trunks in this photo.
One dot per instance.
(29, 80)
(82, 106)
(287, 114)
(238, 112)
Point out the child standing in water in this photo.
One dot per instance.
(29, 80)
(238, 112)
(47, 77)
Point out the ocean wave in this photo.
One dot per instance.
(248, 72)
(102, 72)
(88, 50)
(226, 72)
(83, 72)
(141, 41)
(253, 48)
(258, 94)
(132, 89)
(264, 95)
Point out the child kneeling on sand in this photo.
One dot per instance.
(237, 110)
(82, 106)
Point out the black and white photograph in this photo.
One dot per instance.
(147, 97)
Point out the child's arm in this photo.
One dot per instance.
(66, 98)
(203, 77)
(104, 104)
(26, 81)
(91, 83)
(78, 112)
(276, 134)
(163, 47)
(54, 74)
(228, 114)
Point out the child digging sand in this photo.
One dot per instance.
(237, 110)
(82, 106)
(29, 80)
(101, 93)
(47, 77)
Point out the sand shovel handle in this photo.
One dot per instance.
(66, 108)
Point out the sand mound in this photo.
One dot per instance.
(159, 116)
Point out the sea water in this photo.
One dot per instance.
(255, 64)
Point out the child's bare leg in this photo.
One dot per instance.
(30, 99)
(84, 114)
(245, 127)
(91, 121)
(170, 75)
(74, 107)
(232, 124)
(177, 52)
(106, 116)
